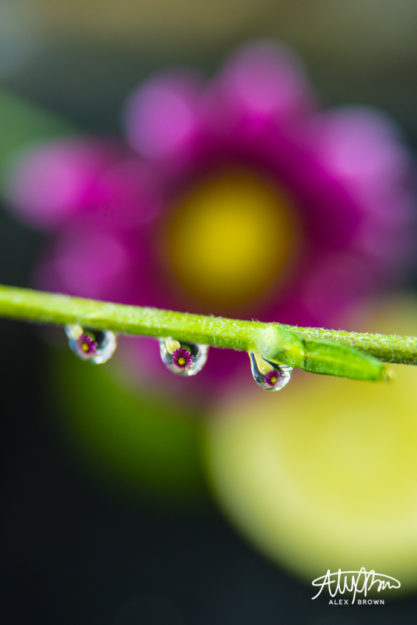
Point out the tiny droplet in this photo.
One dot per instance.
(96, 346)
(183, 358)
(268, 375)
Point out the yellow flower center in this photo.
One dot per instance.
(181, 361)
(231, 239)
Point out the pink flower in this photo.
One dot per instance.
(182, 358)
(272, 377)
(236, 196)
(87, 347)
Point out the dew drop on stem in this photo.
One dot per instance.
(95, 346)
(268, 375)
(183, 358)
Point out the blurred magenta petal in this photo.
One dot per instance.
(85, 262)
(363, 149)
(344, 276)
(128, 193)
(59, 179)
(264, 82)
(161, 117)
(360, 145)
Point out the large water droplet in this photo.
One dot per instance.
(268, 375)
(96, 346)
(183, 358)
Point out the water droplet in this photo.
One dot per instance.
(183, 358)
(269, 375)
(96, 346)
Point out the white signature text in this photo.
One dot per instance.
(353, 583)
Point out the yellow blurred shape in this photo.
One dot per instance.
(324, 475)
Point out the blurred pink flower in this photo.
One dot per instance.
(235, 196)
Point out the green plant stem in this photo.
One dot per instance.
(349, 354)
(390, 348)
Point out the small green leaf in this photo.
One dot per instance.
(332, 359)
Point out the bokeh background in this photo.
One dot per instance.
(125, 501)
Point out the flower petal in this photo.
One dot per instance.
(360, 145)
(130, 193)
(264, 82)
(363, 150)
(161, 117)
(335, 285)
(58, 179)
(85, 264)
